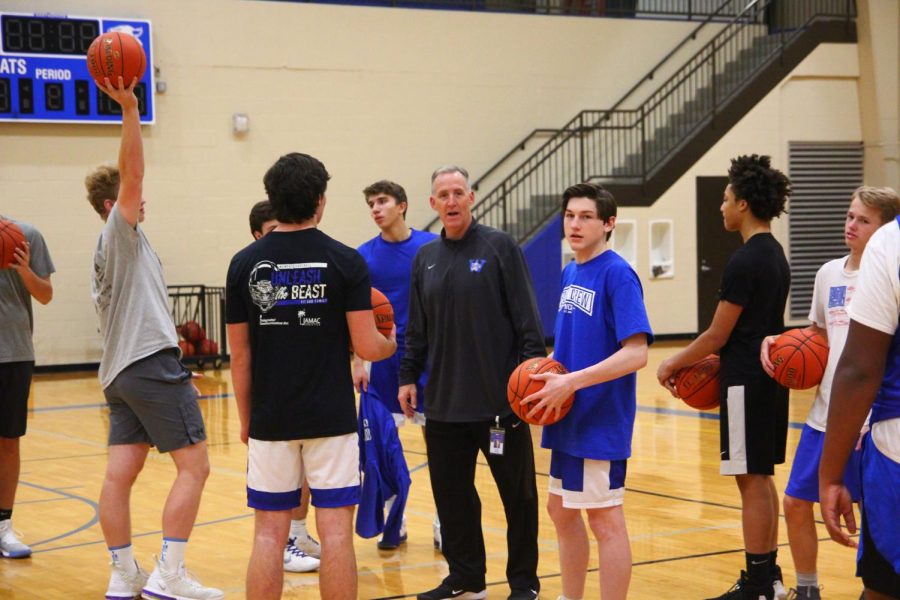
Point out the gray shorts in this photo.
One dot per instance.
(152, 401)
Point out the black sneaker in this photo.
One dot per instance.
(742, 590)
(523, 595)
(445, 591)
(382, 545)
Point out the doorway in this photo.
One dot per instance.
(714, 247)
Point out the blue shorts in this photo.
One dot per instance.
(804, 480)
(881, 505)
(586, 482)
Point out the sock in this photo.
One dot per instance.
(172, 553)
(5, 514)
(807, 580)
(298, 528)
(124, 557)
(758, 569)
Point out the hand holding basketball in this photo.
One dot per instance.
(698, 384)
(799, 357)
(11, 241)
(543, 399)
(118, 57)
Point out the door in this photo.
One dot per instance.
(714, 247)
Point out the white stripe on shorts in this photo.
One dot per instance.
(737, 433)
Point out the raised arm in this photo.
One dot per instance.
(131, 151)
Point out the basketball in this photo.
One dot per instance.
(192, 332)
(187, 348)
(383, 311)
(799, 356)
(521, 386)
(698, 384)
(115, 54)
(207, 347)
(11, 237)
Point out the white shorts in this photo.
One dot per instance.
(276, 470)
(587, 483)
(400, 419)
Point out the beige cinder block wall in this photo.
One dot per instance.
(372, 92)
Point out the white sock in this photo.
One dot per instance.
(807, 580)
(172, 553)
(298, 528)
(123, 556)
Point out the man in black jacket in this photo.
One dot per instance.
(473, 314)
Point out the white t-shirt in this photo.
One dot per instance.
(877, 305)
(834, 289)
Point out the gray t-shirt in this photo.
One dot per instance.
(129, 293)
(16, 319)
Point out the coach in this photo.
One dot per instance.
(473, 317)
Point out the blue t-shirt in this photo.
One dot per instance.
(390, 264)
(602, 304)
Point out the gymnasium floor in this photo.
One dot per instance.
(683, 518)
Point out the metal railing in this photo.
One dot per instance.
(668, 9)
(626, 145)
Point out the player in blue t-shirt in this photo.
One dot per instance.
(868, 375)
(602, 333)
(389, 256)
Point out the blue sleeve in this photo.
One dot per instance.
(627, 299)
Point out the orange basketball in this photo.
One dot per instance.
(192, 332)
(113, 54)
(698, 384)
(11, 237)
(799, 356)
(187, 348)
(521, 385)
(207, 347)
(383, 311)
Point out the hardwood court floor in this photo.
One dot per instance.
(683, 518)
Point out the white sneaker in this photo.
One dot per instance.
(177, 585)
(436, 530)
(298, 561)
(308, 544)
(10, 544)
(124, 585)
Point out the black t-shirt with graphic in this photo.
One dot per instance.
(757, 277)
(293, 289)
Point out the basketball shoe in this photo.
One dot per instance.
(177, 585)
(10, 544)
(742, 590)
(445, 591)
(124, 585)
(298, 561)
(804, 592)
(308, 544)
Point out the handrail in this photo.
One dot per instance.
(629, 145)
(648, 77)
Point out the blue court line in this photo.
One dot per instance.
(699, 414)
(134, 535)
(94, 519)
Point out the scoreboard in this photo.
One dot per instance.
(43, 70)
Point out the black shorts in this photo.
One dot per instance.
(877, 573)
(753, 427)
(15, 384)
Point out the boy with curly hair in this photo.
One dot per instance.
(754, 407)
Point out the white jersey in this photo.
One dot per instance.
(834, 289)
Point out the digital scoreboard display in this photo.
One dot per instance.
(43, 71)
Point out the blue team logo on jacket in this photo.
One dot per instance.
(475, 264)
(837, 296)
(575, 296)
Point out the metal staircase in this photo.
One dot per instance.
(639, 152)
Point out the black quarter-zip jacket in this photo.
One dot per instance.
(473, 317)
